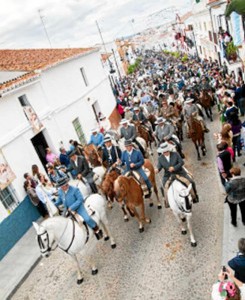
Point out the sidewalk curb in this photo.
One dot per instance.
(11, 294)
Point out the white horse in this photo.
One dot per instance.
(72, 238)
(180, 201)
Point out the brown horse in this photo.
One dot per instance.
(206, 102)
(107, 188)
(129, 191)
(92, 155)
(144, 134)
(196, 133)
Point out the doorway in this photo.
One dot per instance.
(96, 110)
(40, 144)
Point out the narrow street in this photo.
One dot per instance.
(157, 264)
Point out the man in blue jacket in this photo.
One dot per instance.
(134, 160)
(73, 201)
(97, 138)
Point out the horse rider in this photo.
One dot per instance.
(191, 109)
(128, 113)
(129, 133)
(138, 115)
(134, 160)
(110, 153)
(73, 201)
(82, 170)
(172, 164)
(96, 138)
(164, 132)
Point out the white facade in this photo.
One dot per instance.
(58, 96)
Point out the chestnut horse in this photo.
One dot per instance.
(91, 154)
(144, 134)
(128, 191)
(206, 102)
(197, 135)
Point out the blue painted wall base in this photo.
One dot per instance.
(16, 225)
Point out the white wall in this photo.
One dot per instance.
(58, 97)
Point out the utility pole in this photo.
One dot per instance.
(44, 27)
(97, 24)
(116, 63)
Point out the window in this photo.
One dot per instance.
(210, 35)
(7, 198)
(78, 128)
(85, 79)
(200, 48)
(24, 101)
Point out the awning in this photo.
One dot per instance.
(236, 5)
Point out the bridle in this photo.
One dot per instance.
(49, 247)
(187, 204)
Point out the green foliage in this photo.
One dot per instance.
(231, 49)
(185, 58)
(132, 68)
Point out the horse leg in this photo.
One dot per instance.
(159, 204)
(211, 114)
(203, 148)
(197, 148)
(181, 219)
(193, 241)
(106, 229)
(125, 215)
(79, 273)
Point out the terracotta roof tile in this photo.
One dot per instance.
(31, 60)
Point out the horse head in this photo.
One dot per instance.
(45, 239)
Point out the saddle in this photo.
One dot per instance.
(140, 180)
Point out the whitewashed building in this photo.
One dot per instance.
(47, 96)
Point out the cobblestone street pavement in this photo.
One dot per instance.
(157, 264)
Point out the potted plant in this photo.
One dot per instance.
(231, 51)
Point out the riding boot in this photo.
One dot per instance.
(98, 232)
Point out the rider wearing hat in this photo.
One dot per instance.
(129, 133)
(111, 153)
(73, 201)
(172, 164)
(134, 160)
(97, 138)
(138, 115)
(191, 109)
(164, 132)
(82, 170)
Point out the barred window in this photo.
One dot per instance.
(8, 199)
(85, 79)
(78, 128)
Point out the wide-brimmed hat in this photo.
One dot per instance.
(127, 108)
(189, 100)
(94, 130)
(123, 121)
(160, 120)
(136, 108)
(107, 138)
(164, 147)
(62, 181)
(128, 143)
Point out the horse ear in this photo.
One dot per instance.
(36, 226)
(189, 187)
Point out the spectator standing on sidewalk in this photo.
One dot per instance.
(235, 189)
(237, 264)
(224, 162)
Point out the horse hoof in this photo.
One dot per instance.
(159, 206)
(94, 272)
(149, 221)
(141, 229)
(106, 238)
(113, 246)
(183, 220)
(151, 204)
(126, 219)
(184, 232)
(193, 244)
(79, 281)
